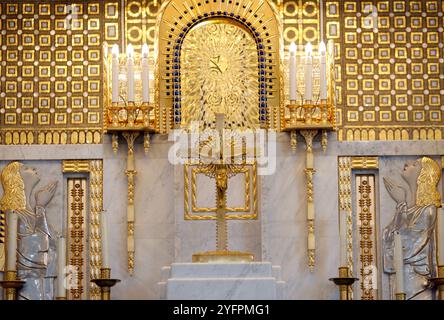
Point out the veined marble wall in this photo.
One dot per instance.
(278, 236)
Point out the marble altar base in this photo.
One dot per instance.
(222, 281)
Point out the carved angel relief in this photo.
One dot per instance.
(36, 256)
(415, 219)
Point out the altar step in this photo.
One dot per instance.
(222, 281)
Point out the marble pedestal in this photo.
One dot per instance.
(222, 281)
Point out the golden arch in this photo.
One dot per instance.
(177, 17)
(219, 73)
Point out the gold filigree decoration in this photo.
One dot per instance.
(251, 194)
(12, 199)
(96, 209)
(76, 235)
(366, 222)
(76, 166)
(220, 74)
(202, 170)
(402, 100)
(177, 15)
(365, 163)
(345, 203)
(365, 218)
(309, 174)
(427, 193)
(131, 173)
(95, 170)
(48, 42)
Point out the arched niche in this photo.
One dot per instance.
(179, 86)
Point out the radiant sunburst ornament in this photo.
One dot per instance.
(220, 74)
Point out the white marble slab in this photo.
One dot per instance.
(227, 281)
(207, 270)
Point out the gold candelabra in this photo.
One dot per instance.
(344, 282)
(309, 118)
(221, 170)
(105, 283)
(11, 284)
(438, 282)
(129, 119)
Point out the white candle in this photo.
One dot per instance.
(105, 248)
(61, 265)
(440, 234)
(293, 72)
(308, 72)
(12, 225)
(323, 71)
(398, 261)
(145, 74)
(343, 239)
(130, 72)
(115, 73)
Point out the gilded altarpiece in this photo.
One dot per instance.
(357, 204)
(177, 20)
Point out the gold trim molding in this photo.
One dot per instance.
(174, 20)
(76, 166)
(365, 188)
(346, 165)
(95, 170)
(77, 217)
(345, 203)
(364, 163)
(251, 194)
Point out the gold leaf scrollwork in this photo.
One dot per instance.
(219, 74)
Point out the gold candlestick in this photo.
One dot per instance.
(400, 296)
(438, 282)
(105, 283)
(11, 284)
(344, 282)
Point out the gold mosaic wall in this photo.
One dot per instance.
(389, 64)
(50, 72)
(301, 21)
(389, 68)
(50, 66)
(140, 22)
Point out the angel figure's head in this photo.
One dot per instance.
(15, 177)
(427, 192)
(426, 174)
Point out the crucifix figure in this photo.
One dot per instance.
(221, 171)
(221, 200)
